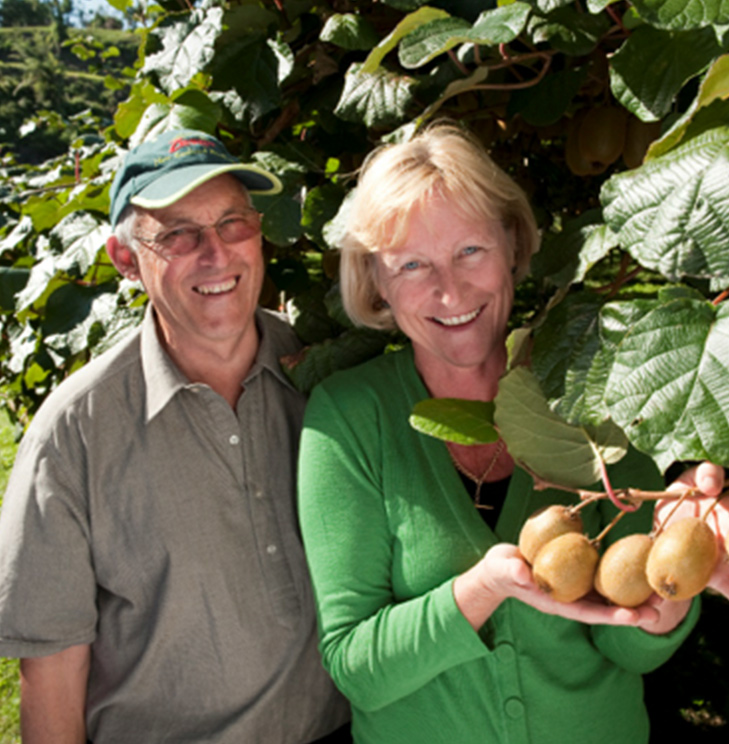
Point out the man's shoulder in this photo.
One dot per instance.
(277, 329)
(95, 380)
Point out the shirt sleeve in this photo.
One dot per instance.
(47, 585)
(376, 649)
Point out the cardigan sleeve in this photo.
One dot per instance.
(376, 649)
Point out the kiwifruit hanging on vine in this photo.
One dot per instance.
(576, 162)
(602, 135)
(638, 137)
(682, 559)
(544, 525)
(565, 567)
(621, 576)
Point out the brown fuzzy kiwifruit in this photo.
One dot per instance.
(565, 567)
(602, 135)
(620, 575)
(682, 559)
(638, 137)
(544, 525)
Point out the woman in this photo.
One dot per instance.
(430, 621)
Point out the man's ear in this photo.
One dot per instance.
(124, 258)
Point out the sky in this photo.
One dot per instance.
(91, 6)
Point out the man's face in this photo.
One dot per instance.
(204, 300)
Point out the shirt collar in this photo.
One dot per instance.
(163, 379)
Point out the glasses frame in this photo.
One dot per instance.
(154, 243)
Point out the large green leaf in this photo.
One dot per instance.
(281, 221)
(403, 28)
(188, 45)
(535, 436)
(673, 58)
(12, 281)
(82, 238)
(568, 30)
(379, 99)
(498, 26)
(546, 102)
(455, 420)
(566, 256)
(349, 31)
(714, 89)
(683, 14)
(668, 386)
(565, 344)
(672, 214)
(257, 89)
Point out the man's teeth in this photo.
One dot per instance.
(458, 319)
(208, 289)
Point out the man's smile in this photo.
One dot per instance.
(218, 287)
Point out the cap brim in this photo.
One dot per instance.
(171, 187)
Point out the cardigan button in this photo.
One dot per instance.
(505, 653)
(514, 708)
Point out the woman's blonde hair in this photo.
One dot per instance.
(443, 160)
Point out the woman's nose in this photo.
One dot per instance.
(447, 287)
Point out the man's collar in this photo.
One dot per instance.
(163, 379)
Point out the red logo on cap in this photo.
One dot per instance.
(178, 144)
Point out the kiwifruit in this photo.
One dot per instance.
(565, 567)
(620, 575)
(638, 137)
(602, 135)
(574, 158)
(682, 559)
(544, 525)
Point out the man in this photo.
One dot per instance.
(152, 579)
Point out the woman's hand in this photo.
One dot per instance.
(504, 573)
(710, 480)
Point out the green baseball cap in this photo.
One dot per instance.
(158, 173)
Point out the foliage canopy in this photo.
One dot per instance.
(611, 115)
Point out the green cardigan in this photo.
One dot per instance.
(387, 525)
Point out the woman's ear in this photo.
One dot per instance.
(124, 258)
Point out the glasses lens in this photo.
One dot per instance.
(179, 241)
(238, 228)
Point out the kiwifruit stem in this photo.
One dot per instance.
(634, 496)
(713, 506)
(597, 540)
(686, 494)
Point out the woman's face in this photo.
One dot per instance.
(450, 287)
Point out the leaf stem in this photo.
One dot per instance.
(720, 298)
(630, 507)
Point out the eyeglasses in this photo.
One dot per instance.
(179, 241)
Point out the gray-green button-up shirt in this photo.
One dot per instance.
(147, 518)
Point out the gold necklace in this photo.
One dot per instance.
(476, 479)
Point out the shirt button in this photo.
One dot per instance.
(234, 439)
(271, 549)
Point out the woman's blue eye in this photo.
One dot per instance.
(410, 265)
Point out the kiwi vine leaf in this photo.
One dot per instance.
(621, 313)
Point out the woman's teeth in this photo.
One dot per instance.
(458, 319)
